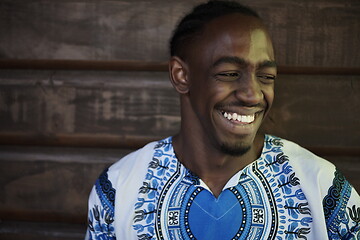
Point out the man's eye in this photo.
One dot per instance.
(227, 76)
(266, 78)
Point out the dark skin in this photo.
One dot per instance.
(226, 86)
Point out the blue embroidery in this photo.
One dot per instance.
(337, 219)
(291, 201)
(105, 192)
(100, 224)
(161, 168)
(173, 205)
(101, 221)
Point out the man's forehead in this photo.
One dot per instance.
(236, 38)
(233, 29)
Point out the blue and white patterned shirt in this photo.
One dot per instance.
(288, 193)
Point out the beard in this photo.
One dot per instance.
(235, 150)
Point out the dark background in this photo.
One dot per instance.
(84, 82)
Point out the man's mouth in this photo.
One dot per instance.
(239, 118)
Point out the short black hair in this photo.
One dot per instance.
(195, 21)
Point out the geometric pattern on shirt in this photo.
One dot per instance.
(105, 191)
(269, 204)
(335, 206)
(294, 220)
(101, 219)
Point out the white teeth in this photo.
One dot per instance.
(250, 118)
(234, 116)
(239, 118)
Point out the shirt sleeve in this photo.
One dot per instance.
(101, 210)
(342, 210)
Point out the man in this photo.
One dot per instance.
(219, 178)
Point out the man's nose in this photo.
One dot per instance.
(249, 90)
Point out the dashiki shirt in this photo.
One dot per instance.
(288, 193)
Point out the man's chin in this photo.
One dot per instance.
(235, 150)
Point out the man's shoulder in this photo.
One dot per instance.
(299, 154)
(133, 159)
(136, 162)
(315, 173)
(304, 161)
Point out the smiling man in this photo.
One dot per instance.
(219, 177)
(226, 82)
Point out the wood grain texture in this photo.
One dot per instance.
(315, 111)
(91, 65)
(114, 103)
(14, 230)
(308, 33)
(50, 184)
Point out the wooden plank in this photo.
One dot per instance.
(37, 64)
(50, 184)
(89, 65)
(127, 142)
(306, 33)
(312, 110)
(316, 110)
(120, 103)
(80, 140)
(10, 230)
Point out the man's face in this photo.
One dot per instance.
(231, 70)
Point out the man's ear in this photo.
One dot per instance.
(179, 75)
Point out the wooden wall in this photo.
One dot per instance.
(82, 83)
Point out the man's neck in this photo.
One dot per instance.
(214, 167)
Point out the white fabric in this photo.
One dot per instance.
(127, 176)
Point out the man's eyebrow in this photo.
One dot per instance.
(231, 60)
(241, 61)
(267, 63)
